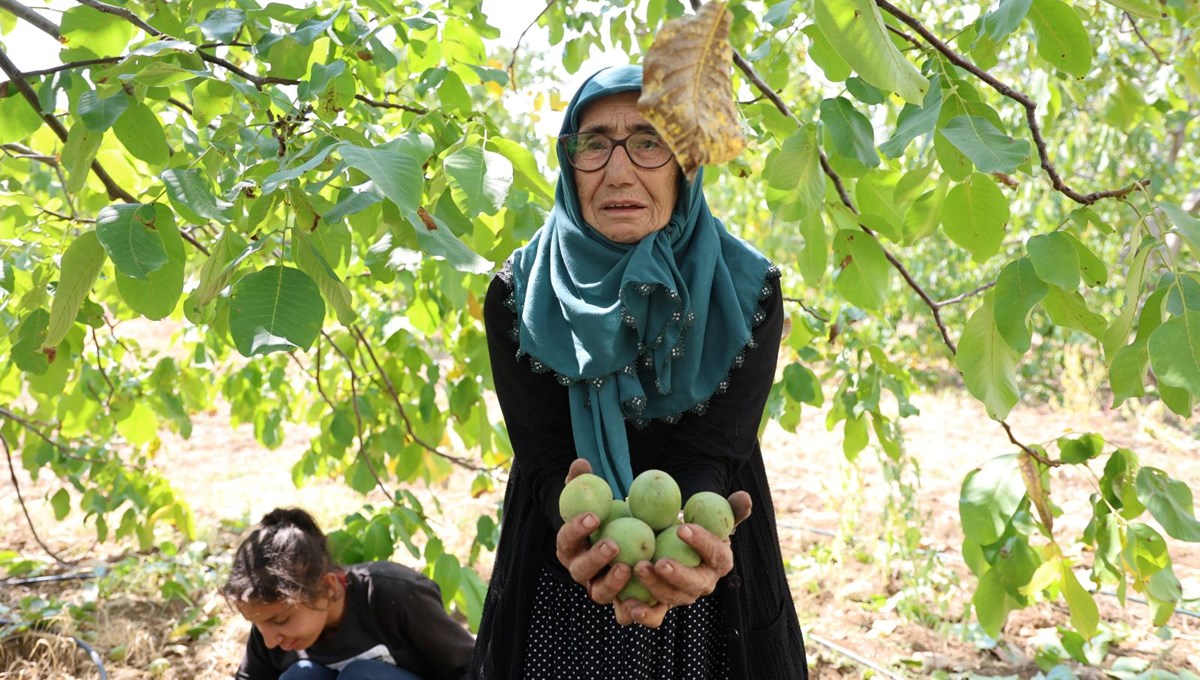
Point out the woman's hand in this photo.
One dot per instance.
(587, 563)
(673, 584)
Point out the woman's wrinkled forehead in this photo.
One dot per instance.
(614, 115)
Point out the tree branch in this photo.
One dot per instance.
(36, 20)
(389, 105)
(12, 473)
(512, 62)
(959, 298)
(124, 14)
(391, 389)
(18, 79)
(1030, 110)
(1138, 33)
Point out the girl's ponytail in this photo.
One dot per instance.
(284, 559)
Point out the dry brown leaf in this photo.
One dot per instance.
(1037, 491)
(687, 92)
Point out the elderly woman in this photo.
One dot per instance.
(633, 332)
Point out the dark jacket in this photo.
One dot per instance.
(717, 451)
(393, 614)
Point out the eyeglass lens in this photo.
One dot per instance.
(591, 151)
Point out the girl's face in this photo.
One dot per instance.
(294, 626)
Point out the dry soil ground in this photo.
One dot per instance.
(852, 592)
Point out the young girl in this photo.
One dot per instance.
(314, 620)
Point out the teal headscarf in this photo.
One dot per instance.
(639, 331)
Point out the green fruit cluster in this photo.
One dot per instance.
(644, 525)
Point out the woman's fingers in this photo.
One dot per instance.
(604, 589)
(575, 552)
(579, 466)
(742, 505)
(647, 615)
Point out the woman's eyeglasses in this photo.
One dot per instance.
(590, 151)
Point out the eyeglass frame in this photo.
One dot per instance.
(615, 143)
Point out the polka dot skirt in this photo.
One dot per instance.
(573, 638)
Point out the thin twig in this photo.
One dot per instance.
(69, 65)
(811, 312)
(62, 450)
(36, 20)
(389, 105)
(16, 151)
(959, 298)
(12, 473)
(112, 389)
(1024, 100)
(512, 62)
(1138, 32)
(391, 389)
(69, 218)
(1028, 450)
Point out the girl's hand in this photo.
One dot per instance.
(673, 584)
(589, 564)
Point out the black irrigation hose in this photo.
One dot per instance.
(93, 655)
(80, 575)
(942, 553)
(860, 660)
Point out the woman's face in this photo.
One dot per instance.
(293, 626)
(621, 200)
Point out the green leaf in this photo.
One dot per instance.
(1139, 8)
(915, 121)
(856, 31)
(990, 149)
(1118, 330)
(878, 207)
(99, 114)
(1081, 449)
(441, 243)
(1068, 309)
(448, 574)
(27, 352)
(155, 296)
(814, 256)
(1091, 267)
(275, 309)
(88, 33)
(849, 130)
(925, 214)
(61, 501)
(854, 437)
(280, 178)
(1170, 503)
(78, 153)
(129, 233)
(81, 266)
(191, 194)
(18, 119)
(796, 166)
(974, 216)
(1000, 22)
(990, 496)
(140, 427)
(210, 99)
(1018, 289)
(397, 174)
(142, 135)
(1085, 616)
(1185, 224)
(862, 269)
(1054, 259)
(479, 180)
(311, 262)
(836, 69)
(1062, 39)
(222, 25)
(802, 385)
(527, 175)
(991, 603)
(1175, 352)
(988, 365)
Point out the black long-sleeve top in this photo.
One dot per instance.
(716, 451)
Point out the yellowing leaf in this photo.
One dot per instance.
(687, 93)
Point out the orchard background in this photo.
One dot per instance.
(243, 248)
